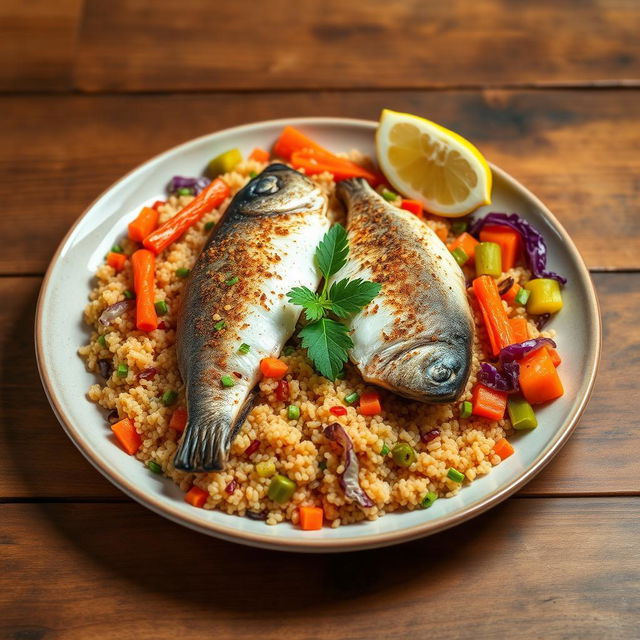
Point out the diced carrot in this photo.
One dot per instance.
(539, 380)
(208, 199)
(442, 233)
(126, 434)
(495, 317)
(144, 224)
(273, 368)
(510, 295)
(144, 264)
(178, 420)
(259, 155)
(467, 243)
(555, 356)
(157, 204)
(116, 260)
(488, 403)
(414, 206)
(508, 239)
(370, 404)
(503, 448)
(519, 328)
(314, 162)
(196, 497)
(310, 518)
(291, 140)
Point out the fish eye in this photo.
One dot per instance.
(439, 372)
(265, 186)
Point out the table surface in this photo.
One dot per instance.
(549, 90)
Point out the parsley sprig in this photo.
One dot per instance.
(326, 339)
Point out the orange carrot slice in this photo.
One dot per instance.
(127, 436)
(310, 518)
(143, 263)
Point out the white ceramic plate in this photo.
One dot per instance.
(60, 331)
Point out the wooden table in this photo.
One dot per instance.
(549, 90)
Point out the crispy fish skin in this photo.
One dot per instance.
(415, 338)
(266, 239)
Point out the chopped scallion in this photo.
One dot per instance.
(522, 296)
(161, 307)
(244, 348)
(455, 475)
(231, 281)
(209, 225)
(102, 341)
(385, 450)
(293, 412)
(154, 467)
(465, 409)
(169, 397)
(219, 325)
(460, 256)
(227, 381)
(122, 371)
(117, 249)
(185, 191)
(128, 294)
(459, 227)
(428, 500)
(351, 398)
(252, 174)
(389, 196)
(182, 272)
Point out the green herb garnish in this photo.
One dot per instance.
(326, 339)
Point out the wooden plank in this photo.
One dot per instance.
(596, 460)
(37, 44)
(577, 150)
(119, 571)
(126, 45)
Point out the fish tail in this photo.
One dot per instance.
(349, 189)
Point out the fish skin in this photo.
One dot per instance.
(267, 238)
(415, 338)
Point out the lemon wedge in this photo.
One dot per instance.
(429, 163)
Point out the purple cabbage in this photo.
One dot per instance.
(115, 311)
(534, 245)
(182, 182)
(349, 480)
(507, 379)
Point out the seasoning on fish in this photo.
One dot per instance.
(415, 338)
(267, 239)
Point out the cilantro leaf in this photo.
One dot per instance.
(349, 296)
(327, 342)
(313, 303)
(331, 254)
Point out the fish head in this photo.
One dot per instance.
(436, 371)
(279, 189)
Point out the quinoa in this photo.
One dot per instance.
(298, 447)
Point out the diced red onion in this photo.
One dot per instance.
(430, 435)
(231, 487)
(252, 448)
(257, 515)
(148, 374)
(115, 310)
(105, 366)
(182, 182)
(282, 390)
(505, 285)
(349, 480)
(113, 417)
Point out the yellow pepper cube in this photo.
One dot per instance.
(545, 296)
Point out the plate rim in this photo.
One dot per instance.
(335, 545)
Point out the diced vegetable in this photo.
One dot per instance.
(455, 475)
(521, 413)
(253, 174)
(182, 272)
(169, 397)
(351, 398)
(209, 225)
(224, 162)
(266, 469)
(231, 487)
(310, 518)
(322, 465)
(389, 196)
(259, 155)
(282, 390)
(196, 497)
(116, 260)
(293, 412)
(244, 348)
(127, 436)
(488, 259)
(442, 233)
(291, 140)
(403, 454)
(128, 294)
(273, 368)
(555, 356)
(122, 371)
(428, 500)
(370, 404)
(488, 403)
(193, 186)
(143, 263)
(114, 311)
(252, 448)
(338, 411)
(545, 296)
(413, 206)
(161, 307)
(385, 449)
(157, 204)
(503, 448)
(102, 341)
(539, 380)
(219, 326)
(468, 244)
(466, 409)
(522, 296)
(508, 239)
(314, 162)
(231, 281)
(281, 489)
(178, 420)
(117, 248)
(519, 328)
(430, 435)
(459, 226)
(495, 317)
(460, 256)
(227, 381)
(154, 467)
(185, 191)
(207, 200)
(511, 294)
(144, 224)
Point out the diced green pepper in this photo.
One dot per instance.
(281, 489)
(183, 272)
(488, 259)
(266, 469)
(458, 227)
(218, 326)
(293, 412)
(185, 191)
(122, 371)
(117, 249)
(128, 294)
(545, 296)
(102, 341)
(154, 467)
(455, 475)
(352, 397)
(389, 196)
(231, 281)
(161, 307)
(385, 450)
(227, 381)
(224, 163)
(465, 409)
(521, 413)
(428, 500)
(209, 225)
(253, 174)
(460, 256)
(169, 397)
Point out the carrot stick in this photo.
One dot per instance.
(143, 263)
(273, 368)
(510, 296)
(314, 162)
(126, 434)
(291, 140)
(555, 356)
(488, 403)
(196, 497)
(178, 420)
(539, 380)
(310, 518)
(503, 448)
(519, 328)
(207, 200)
(144, 224)
(259, 155)
(116, 260)
(370, 404)
(467, 242)
(495, 317)
(508, 239)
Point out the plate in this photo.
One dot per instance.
(60, 331)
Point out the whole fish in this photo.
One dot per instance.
(415, 338)
(235, 310)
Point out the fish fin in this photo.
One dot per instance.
(206, 442)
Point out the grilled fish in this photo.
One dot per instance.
(416, 337)
(262, 247)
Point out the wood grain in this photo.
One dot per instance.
(132, 45)
(38, 44)
(38, 460)
(577, 150)
(119, 572)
